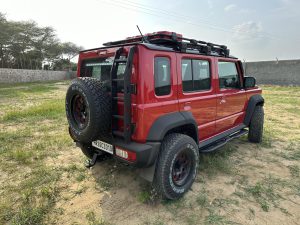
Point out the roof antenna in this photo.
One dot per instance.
(143, 37)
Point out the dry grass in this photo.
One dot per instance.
(43, 180)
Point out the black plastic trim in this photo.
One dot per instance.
(222, 141)
(128, 88)
(253, 101)
(127, 95)
(219, 137)
(157, 47)
(165, 123)
(146, 153)
(106, 47)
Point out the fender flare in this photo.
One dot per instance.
(163, 124)
(253, 102)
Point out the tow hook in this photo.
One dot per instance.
(91, 162)
(97, 157)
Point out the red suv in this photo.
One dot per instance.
(157, 101)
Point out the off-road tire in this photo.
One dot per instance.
(256, 125)
(98, 103)
(171, 147)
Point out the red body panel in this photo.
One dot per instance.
(231, 103)
(149, 106)
(214, 110)
(202, 104)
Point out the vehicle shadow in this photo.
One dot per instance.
(111, 175)
(124, 191)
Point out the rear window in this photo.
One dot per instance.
(100, 69)
(162, 76)
(97, 68)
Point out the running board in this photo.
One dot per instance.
(214, 146)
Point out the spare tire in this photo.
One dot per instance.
(88, 110)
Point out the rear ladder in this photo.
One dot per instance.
(128, 90)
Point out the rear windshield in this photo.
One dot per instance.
(100, 69)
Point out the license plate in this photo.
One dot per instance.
(103, 146)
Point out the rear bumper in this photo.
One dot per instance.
(146, 153)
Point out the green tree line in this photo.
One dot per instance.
(25, 45)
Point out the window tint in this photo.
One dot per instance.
(187, 76)
(121, 69)
(228, 75)
(162, 76)
(99, 69)
(195, 75)
(201, 75)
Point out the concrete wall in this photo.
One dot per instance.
(19, 76)
(285, 72)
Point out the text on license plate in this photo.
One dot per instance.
(103, 146)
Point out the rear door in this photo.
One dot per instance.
(157, 88)
(196, 91)
(231, 97)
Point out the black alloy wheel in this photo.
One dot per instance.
(181, 168)
(80, 111)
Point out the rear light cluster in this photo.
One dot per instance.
(125, 154)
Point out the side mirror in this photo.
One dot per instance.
(249, 82)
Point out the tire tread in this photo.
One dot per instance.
(169, 144)
(256, 125)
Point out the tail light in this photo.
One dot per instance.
(125, 154)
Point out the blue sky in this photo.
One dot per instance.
(253, 30)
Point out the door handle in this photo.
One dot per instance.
(222, 100)
(187, 106)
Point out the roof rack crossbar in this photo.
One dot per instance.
(177, 42)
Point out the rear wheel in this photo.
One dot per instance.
(256, 125)
(177, 166)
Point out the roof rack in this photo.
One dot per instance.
(175, 41)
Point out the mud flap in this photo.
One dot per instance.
(148, 173)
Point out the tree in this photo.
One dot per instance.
(64, 64)
(70, 49)
(26, 45)
(5, 35)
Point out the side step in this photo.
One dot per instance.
(214, 146)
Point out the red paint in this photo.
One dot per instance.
(215, 110)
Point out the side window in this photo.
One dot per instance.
(162, 76)
(228, 75)
(195, 75)
(201, 75)
(187, 76)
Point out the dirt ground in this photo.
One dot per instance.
(43, 179)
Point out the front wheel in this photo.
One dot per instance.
(177, 166)
(256, 125)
